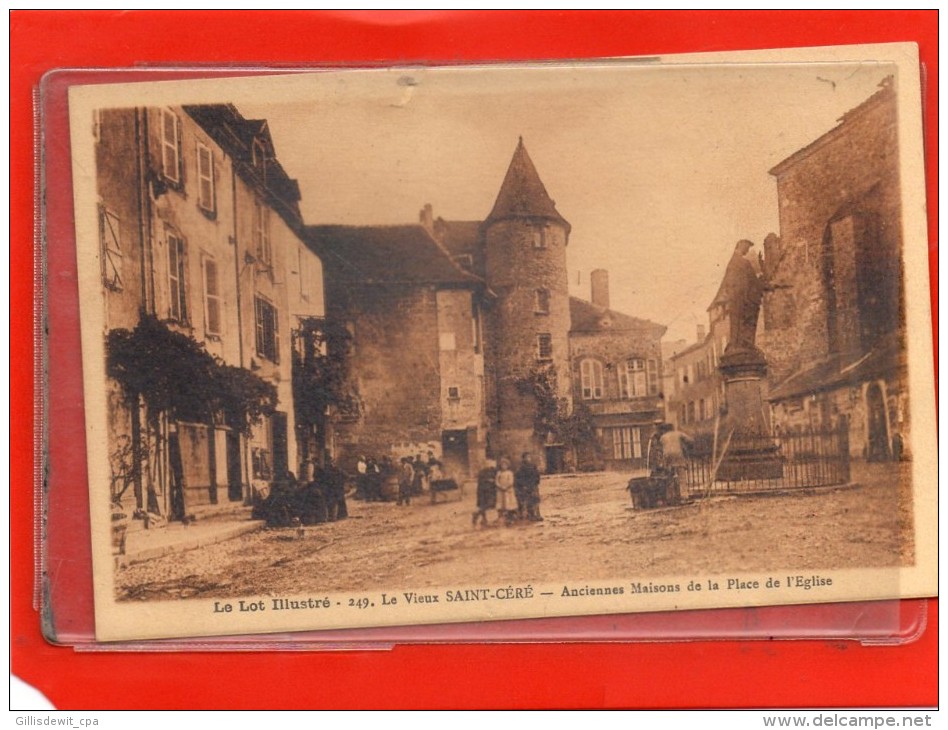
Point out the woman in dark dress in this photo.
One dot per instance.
(486, 492)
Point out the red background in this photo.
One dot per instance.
(694, 674)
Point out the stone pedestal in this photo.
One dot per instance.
(751, 453)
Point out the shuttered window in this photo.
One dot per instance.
(261, 233)
(170, 146)
(213, 305)
(110, 240)
(544, 346)
(268, 333)
(205, 164)
(177, 278)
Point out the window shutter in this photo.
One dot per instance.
(205, 169)
(276, 337)
(180, 160)
(258, 319)
(110, 239)
(212, 299)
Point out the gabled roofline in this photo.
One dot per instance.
(312, 233)
(885, 94)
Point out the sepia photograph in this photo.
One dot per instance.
(383, 347)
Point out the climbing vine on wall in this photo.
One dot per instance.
(175, 375)
(320, 368)
(554, 418)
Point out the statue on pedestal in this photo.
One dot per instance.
(752, 454)
(743, 291)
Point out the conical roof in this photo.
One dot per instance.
(522, 194)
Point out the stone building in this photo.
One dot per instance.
(694, 390)
(835, 338)
(200, 230)
(462, 330)
(616, 374)
(416, 357)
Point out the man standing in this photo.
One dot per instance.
(527, 489)
(406, 477)
(334, 487)
(362, 479)
(675, 445)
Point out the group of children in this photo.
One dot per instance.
(515, 495)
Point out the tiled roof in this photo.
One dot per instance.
(833, 371)
(522, 194)
(386, 254)
(588, 317)
(690, 349)
(462, 238)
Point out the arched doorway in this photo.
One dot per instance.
(878, 446)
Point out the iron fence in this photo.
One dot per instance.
(760, 463)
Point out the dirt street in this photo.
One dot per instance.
(590, 532)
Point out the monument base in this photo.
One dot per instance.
(750, 464)
(751, 453)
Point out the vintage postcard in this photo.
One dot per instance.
(426, 345)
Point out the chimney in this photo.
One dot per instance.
(701, 333)
(426, 217)
(599, 281)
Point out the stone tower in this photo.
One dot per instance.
(525, 241)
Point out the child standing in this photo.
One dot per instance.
(406, 478)
(506, 499)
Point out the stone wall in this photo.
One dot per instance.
(516, 268)
(394, 365)
(611, 349)
(117, 179)
(851, 167)
(461, 366)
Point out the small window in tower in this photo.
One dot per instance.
(540, 235)
(454, 392)
(542, 301)
(544, 346)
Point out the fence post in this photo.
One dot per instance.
(844, 449)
